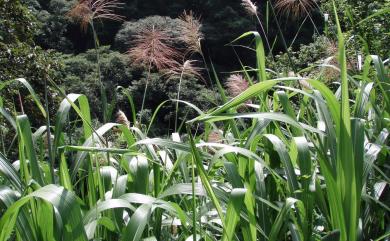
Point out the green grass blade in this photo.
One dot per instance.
(90, 142)
(281, 219)
(65, 180)
(251, 92)
(347, 172)
(204, 178)
(8, 172)
(260, 54)
(68, 213)
(383, 80)
(63, 113)
(267, 115)
(23, 222)
(33, 95)
(233, 212)
(26, 140)
(8, 117)
(280, 148)
(288, 110)
(137, 224)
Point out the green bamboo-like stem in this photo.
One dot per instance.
(193, 201)
(208, 73)
(157, 188)
(48, 135)
(102, 89)
(100, 82)
(207, 69)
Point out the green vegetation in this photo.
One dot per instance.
(142, 132)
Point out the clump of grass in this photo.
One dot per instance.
(152, 49)
(297, 171)
(85, 12)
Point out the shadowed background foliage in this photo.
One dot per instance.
(41, 37)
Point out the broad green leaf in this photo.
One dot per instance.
(233, 212)
(26, 145)
(67, 213)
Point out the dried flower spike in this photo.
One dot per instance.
(191, 33)
(250, 7)
(187, 69)
(236, 84)
(121, 118)
(85, 11)
(215, 136)
(295, 8)
(151, 48)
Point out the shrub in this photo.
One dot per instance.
(79, 74)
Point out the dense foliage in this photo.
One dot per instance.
(21, 57)
(368, 22)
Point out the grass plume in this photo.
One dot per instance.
(191, 32)
(152, 47)
(86, 11)
(236, 84)
(295, 8)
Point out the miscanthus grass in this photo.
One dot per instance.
(86, 13)
(282, 170)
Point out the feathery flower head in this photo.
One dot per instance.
(152, 48)
(236, 84)
(250, 7)
(85, 11)
(295, 8)
(188, 69)
(121, 118)
(191, 34)
(215, 136)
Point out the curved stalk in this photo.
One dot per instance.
(178, 98)
(264, 33)
(144, 96)
(282, 37)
